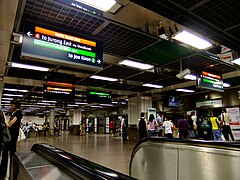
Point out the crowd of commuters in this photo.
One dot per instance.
(186, 126)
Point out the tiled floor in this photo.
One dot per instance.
(103, 149)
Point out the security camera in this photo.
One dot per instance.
(183, 73)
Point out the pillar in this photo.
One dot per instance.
(76, 119)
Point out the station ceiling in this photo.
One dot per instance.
(124, 36)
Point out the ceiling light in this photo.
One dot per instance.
(103, 78)
(103, 5)
(72, 105)
(47, 104)
(190, 77)
(25, 66)
(236, 61)
(192, 40)
(153, 85)
(5, 102)
(7, 98)
(96, 106)
(44, 101)
(115, 102)
(15, 95)
(106, 105)
(19, 90)
(80, 103)
(136, 64)
(185, 90)
(226, 85)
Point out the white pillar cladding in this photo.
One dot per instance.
(77, 117)
(136, 105)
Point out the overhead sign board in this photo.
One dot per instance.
(60, 48)
(210, 81)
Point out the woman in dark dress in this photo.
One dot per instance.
(13, 126)
(142, 127)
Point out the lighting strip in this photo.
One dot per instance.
(103, 78)
(15, 95)
(152, 85)
(136, 64)
(19, 90)
(185, 90)
(103, 5)
(25, 66)
(192, 40)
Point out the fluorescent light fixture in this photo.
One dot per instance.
(103, 78)
(81, 103)
(20, 39)
(114, 102)
(236, 61)
(47, 104)
(153, 85)
(7, 99)
(190, 77)
(185, 90)
(72, 105)
(226, 85)
(192, 40)
(106, 105)
(136, 64)
(15, 95)
(103, 5)
(6, 102)
(19, 90)
(25, 66)
(44, 101)
(96, 106)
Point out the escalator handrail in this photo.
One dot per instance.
(75, 165)
(190, 142)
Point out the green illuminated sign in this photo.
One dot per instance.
(64, 48)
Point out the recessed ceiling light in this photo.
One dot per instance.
(19, 90)
(135, 64)
(236, 61)
(190, 77)
(14, 95)
(106, 104)
(192, 40)
(103, 78)
(103, 5)
(185, 90)
(96, 106)
(153, 85)
(25, 66)
(81, 103)
(226, 85)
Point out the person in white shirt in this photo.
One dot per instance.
(226, 129)
(167, 128)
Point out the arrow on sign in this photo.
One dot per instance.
(29, 34)
(99, 61)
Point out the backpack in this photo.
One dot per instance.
(5, 133)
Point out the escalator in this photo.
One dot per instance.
(177, 159)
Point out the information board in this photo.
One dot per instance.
(210, 81)
(99, 97)
(58, 48)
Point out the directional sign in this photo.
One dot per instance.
(53, 46)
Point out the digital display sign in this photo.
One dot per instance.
(59, 91)
(60, 48)
(174, 101)
(98, 97)
(210, 81)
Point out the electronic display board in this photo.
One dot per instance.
(58, 91)
(173, 101)
(210, 81)
(60, 48)
(98, 97)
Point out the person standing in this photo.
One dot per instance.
(13, 126)
(124, 128)
(142, 126)
(152, 126)
(167, 128)
(183, 127)
(160, 123)
(215, 128)
(226, 129)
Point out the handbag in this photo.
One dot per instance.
(5, 133)
(21, 135)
